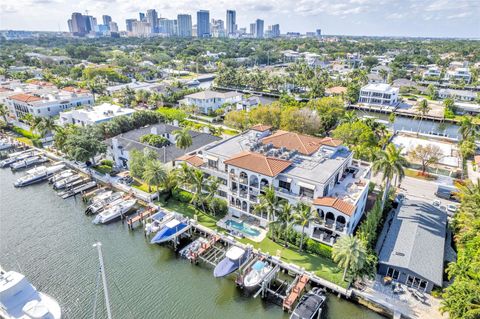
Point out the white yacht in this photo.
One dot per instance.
(99, 205)
(37, 175)
(19, 299)
(29, 161)
(18, 156)
(63, 183)
(114, 212)
(64, 174)
(256, 275)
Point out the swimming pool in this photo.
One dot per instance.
(241, 227)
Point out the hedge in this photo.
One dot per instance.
(315, 247)
(24, 133)
(106, 162)
(181, 195)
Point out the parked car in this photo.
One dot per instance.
(436, 203)
(447, 192)
(451, 209)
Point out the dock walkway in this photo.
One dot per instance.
(295, 292)
(140, 217)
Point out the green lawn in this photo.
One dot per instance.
(417, 174)
(138, 184)
(321, 266)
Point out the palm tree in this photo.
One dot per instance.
(155, 99)
(97, 85)
(390, 163)
(4, 112)
(211, 188)
(349, 253)
(154, 174)
(383, 74)
(350, 117)
(422, 109)
(170, 183)
(198, 181)
(47, 124)
(184, 173)
(284, 216)
(183, 139)
(467, 128)
(303, 216)
(268, 202)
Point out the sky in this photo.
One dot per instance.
(416, 18)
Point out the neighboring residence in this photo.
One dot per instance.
(459, 74)
(208, 101)
(247, 104)
(432, 72)
(379, 93)
(413, 250)
(120, 145)
(318, 171)
(48, 102)
(93, 114)
(135, 86)
(378, 69)
(336, 91)
(375, 78)
(459, 95)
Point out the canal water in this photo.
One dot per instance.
(50, 241)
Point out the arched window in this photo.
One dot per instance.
(244, 206)
(238, 203)
(341, 220)
(253, 181)
(321, 213)
(330, 215)
(263, 183)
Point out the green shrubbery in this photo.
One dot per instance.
(181, 195)
(311, 246)
(154, 140)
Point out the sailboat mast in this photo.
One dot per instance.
(104, 278)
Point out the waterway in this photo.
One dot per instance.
(50, 241)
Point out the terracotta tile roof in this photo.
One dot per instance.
(337, 203)
(5, 90)
(74, 89)
(40, 83)
(269, 166)
(336, 90)
(193, 160)
(261, 127)
(331, 141)
(304, 144)
(27, 98)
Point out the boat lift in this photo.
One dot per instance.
(266, 284)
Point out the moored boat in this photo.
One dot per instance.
(234, 258)
(114, 212)
(67, 182)
(19, 299)
(310, 305)
(61, 175)
(256, 274)
(38, 174)
(100, 205)
(15, 157)
(156, 221)
(169, 231)
(29, 161)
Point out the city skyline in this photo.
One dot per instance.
(350, 17)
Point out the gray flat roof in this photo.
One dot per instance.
(416, 240)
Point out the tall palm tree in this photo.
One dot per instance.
(46, 125)
(154, 174)
(211, 189)
(184, 173)
(170, 183)
(349, 117)
(4, 112)
(284, 216)
(96, 86)
(303, 216)
(422, 109)
(349, 253)
(198, 181)
(390, 163)
(467, 128)
(268, 202)
(383, 74)
(183, 139)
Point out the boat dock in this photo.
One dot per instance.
(140, 217)
(294, 291)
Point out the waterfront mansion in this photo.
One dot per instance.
(319, 171)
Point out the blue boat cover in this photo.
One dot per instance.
(166, 232)
(158, 216)
(258, 265)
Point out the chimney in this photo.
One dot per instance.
(154, 130)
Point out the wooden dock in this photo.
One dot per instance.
(204, 247)
(295, 292)
(140, 217)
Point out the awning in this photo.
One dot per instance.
(309, 186)
(210, 157)
(285, 179)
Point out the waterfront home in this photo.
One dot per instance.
(93, 114)
(318, 171)
(120, 146)
(460, 95)
(47, 102)
(459, 74)
(432, 72)
(208, 101)
(413, 250)
(379, 93)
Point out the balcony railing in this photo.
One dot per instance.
(243, 180)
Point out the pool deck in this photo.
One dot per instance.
(223, 224)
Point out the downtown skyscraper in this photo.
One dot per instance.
(203, 24)
(231, 22)
(184, 25)
(152, 18)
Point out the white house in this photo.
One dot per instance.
(47, 104)
(318, 171)
(432, 71)
(458, 74)
(379, 93)
(209, 101)
(92, 115)
(460, 95)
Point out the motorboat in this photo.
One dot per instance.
(256, 274)
(310, 305)
(38, 174)
(169, 231)
(99, 205)
(29, 161)
(189, 250)
(100, 196)
(193, 83)
(19, 299)
(115, 211)
(18, 156)
(5, 145)
(234, 258)
(156, 221)
(61, 175)
(66, 182)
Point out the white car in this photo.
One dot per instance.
(452, 208)
(436, 203)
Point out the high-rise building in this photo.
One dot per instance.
(318, 33)
(141, 28)
(70, 27)
(231, 22)
(152, 18)
(113, 26)
(218, 28)
(167, 26)
(106, 19)
(79, 26)
(259, 28)
(141, 16)
(184, 25)
(252, 29)
(203, 23)
(129, 24)
(90, 24)
(275, 31)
